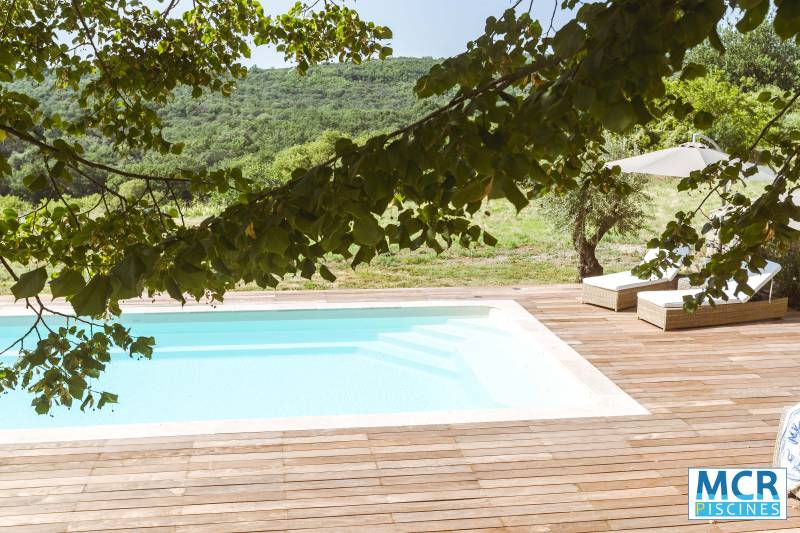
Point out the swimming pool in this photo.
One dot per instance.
(330, 366)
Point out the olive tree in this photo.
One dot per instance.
(591, 210)
(523, 104)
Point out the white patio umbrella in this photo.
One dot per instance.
(680, 161)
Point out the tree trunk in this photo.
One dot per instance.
(588, 265)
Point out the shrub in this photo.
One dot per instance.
(738, 115)
(86, 203)
(214, 204)
(787, 282)
(133, 188)
(14, 202)
(756, 58)
(303, 156)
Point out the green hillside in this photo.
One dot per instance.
(270, 110)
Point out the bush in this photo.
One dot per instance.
(214, 204)
(303, 156)
(14, 202)
(133, 189)
(86, 203)
(787, 282)
(738, 115)
(756, 58)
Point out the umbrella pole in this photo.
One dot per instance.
(709, 140)
(714, 144)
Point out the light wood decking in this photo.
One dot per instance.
(715, 396)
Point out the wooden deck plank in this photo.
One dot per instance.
(715, 397)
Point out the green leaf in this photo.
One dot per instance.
(617, 117)
(514, 195)
(326, 274)
(30, 283)
(693, 70)
(716, 42)
(474, 191)
(129, 271)
(787, 19)
(142, 346)
(174, 290)
(703, 120)
(366, 230)
(383, 32)
(93, 298)
(35, 182)
(277, 240)
(569, 39)
(753, 17)
(41, 405)
(62, 146)
(584, 97)
(344, 145)
(67, 284)
(107, 397)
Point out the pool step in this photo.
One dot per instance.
(269, 337)
(444, 331)
(390, 352)
(481, 326)
(427, 343)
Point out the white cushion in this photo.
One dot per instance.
(619, 281)
(756, 281)
(675, 298)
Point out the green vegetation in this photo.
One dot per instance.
(267, 115)
(591, 211)
(753, 59)
(738, 113)
(532, 248)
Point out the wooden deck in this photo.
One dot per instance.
(715, 396)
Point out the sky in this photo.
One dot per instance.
(434, 28)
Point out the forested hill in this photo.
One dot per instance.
(268, 111)
(273, 109)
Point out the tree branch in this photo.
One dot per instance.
(100, 166)
(8, 269)
(177, 203)
(60, 195)
(773, 120)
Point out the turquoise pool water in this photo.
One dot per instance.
(223, 365)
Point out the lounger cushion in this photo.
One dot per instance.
(620, 281)
(675, 298)
(756, 281)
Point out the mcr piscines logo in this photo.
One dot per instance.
(737, 493)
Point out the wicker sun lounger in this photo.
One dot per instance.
(665, 308)
(619, 290)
